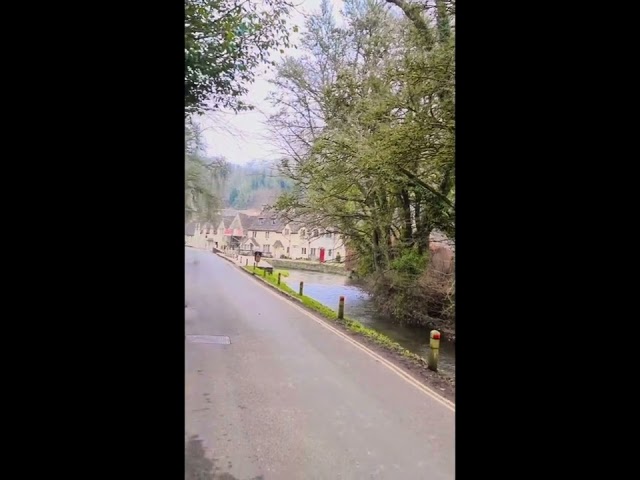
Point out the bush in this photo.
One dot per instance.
(412, 292)
(412, 300)
(410, 262)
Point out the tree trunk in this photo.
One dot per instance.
(444, 27)
(377, 257)
(407, 230)
(423, 231)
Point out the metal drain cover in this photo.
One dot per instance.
(210, 339)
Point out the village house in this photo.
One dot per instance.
(200, 234)
(269, 234)
(322, 245)
(220, 241)
(278, 238)
(237, 230)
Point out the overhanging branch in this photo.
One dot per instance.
(427, 187)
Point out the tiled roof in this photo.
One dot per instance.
(249, 240)
(227, 219)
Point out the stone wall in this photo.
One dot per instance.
(311, 266)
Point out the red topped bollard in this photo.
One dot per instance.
(434, 350)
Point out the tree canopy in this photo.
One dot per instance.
(366, 121)
(201, 176)
(225, 41)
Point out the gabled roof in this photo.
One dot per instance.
(295, 226)
(268, 221)
(278, 244)
(307, 221)
(227, 219)
(267, 224)
(245, 220)
(251, 240)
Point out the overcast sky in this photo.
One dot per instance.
(242, 137)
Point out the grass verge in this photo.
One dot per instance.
(352, 325)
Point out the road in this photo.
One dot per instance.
(291, 399)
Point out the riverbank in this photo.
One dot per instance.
(380, 343)
(310, 266)
(422, 301)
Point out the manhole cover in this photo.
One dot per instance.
(211, 339)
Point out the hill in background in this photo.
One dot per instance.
(251, 186)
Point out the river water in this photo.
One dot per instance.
(327, 288)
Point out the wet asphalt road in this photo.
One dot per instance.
(289, 399)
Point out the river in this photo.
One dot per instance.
(327, 288)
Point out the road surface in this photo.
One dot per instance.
(291, 399)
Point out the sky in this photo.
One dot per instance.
(243, 137)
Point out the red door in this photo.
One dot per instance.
(321, 255)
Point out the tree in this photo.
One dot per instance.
(366, 123)
(225, 40)
(201, 176)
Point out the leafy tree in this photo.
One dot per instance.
(201, 176)
(366, 123)
(225, 41)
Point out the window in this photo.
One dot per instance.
(315, 232)
(266, 235)
(261, 221)
(254, 234)
(302, 232)
(304, 251)
(313, 252)
(266, 248)
(273, 222)
(287, 250)
(328, 253)
(286, 231)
